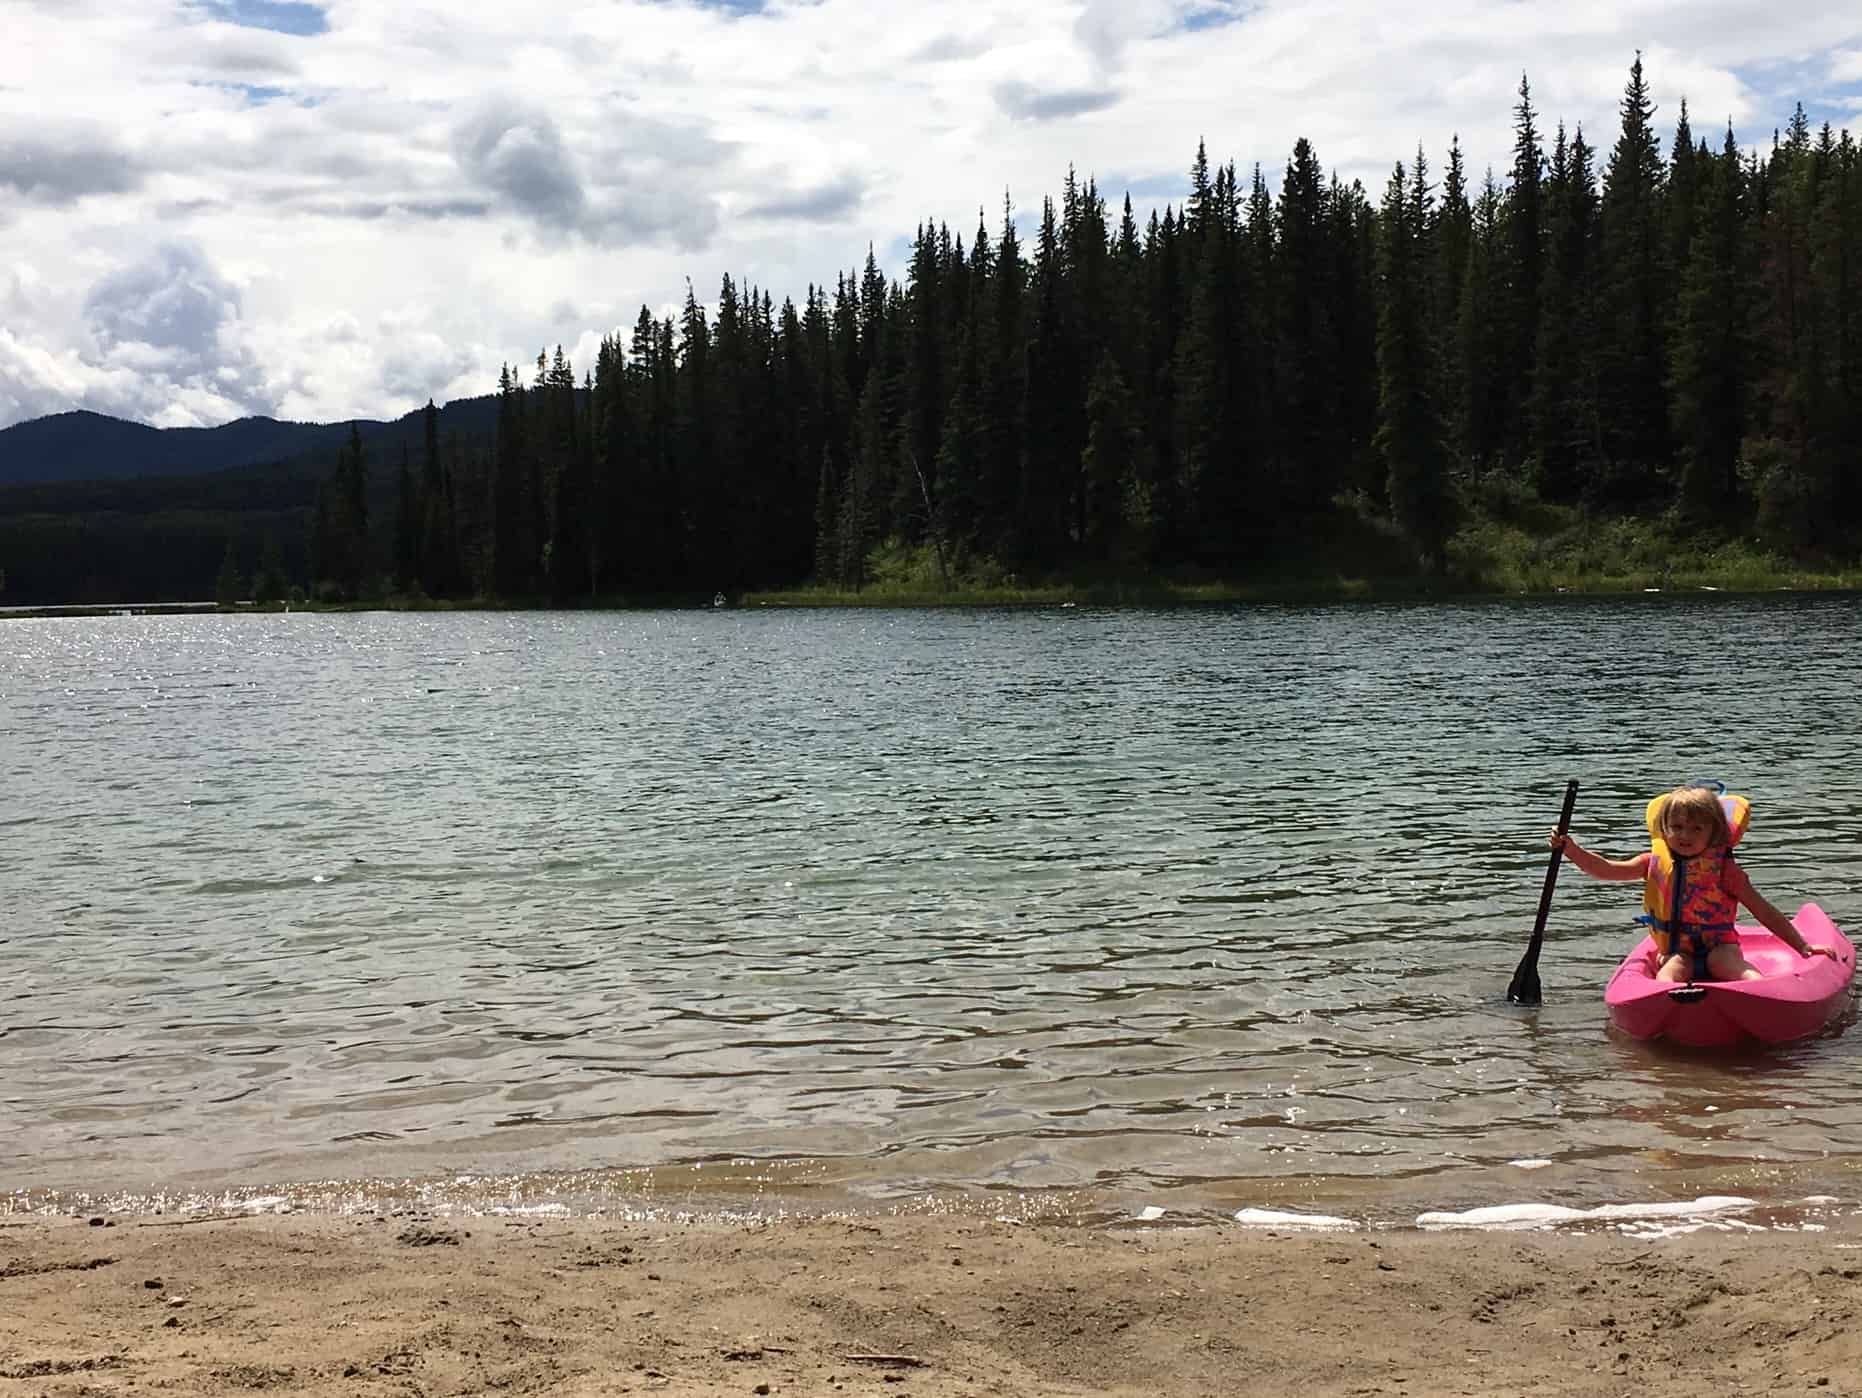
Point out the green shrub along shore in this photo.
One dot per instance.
(1485, 558)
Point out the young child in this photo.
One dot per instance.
(1692, 886)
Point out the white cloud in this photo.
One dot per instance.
(171, 318)
(342, 224)
(171, 301)
(63, 162)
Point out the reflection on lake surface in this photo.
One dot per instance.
(1207, 906)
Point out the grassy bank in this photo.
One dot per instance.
(1516, 546)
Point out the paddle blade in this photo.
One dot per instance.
(1524, 988)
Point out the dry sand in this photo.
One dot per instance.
(910, 1305)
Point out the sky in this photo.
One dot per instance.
(324, 209)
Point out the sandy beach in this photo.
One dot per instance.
(944, 1306)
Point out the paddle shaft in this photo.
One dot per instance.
(1551, 867)
(1524, 988)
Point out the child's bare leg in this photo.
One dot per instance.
(1675, 968)
(1728, 963)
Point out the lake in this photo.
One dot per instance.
(791, 910)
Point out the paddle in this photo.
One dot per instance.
(1524, 989)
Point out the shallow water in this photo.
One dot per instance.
(1203, 908)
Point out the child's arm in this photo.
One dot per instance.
(1774, 921)
(1616, 870)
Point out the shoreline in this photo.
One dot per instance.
(414, 1302)
(1775, 1188)
(1137, 596)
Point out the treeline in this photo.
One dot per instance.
(1671, 328)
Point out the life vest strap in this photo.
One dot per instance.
(1662, 924)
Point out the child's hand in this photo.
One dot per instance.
(1559, 840)
(1818, 949)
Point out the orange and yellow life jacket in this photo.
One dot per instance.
(1687, 896)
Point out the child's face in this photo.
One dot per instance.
(1687, 834)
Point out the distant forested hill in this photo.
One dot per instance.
(95, 509)
(85, 446)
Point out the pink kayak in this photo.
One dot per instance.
(1796, 996)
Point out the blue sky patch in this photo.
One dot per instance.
(1160, 188)
(257, 94)
(1777, 89)
(1214, 16)
(280, 16)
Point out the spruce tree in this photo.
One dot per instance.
(926, 394)
(1258, 413)
(731, 535)
(510, 538)
(701, 561)
(1836, 301)
(1044, 502)
(1453, 236)
(1480, 346)
(1522, 283)
(1710, 360)
(1158, 403)
(613, 468)
(1214, 475)
(1409, 435)
(1687, 166)
(1837, 267)
(407, 522)
(1782, 453)
(1564, 401)
(1353, 257)
(437, 554)
(1632, 358)
(1309, 364)
(340, 528)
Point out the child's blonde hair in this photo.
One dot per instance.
(1703, 803)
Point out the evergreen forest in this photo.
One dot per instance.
(1655, 346)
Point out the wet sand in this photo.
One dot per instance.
(943, 1306)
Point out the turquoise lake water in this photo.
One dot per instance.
(1204, 908)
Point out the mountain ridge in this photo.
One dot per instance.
(81, 445)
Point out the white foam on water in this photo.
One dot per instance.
(1520, 1216)
(1273, 1218)
(1529, 1164)
(1654, 1233)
